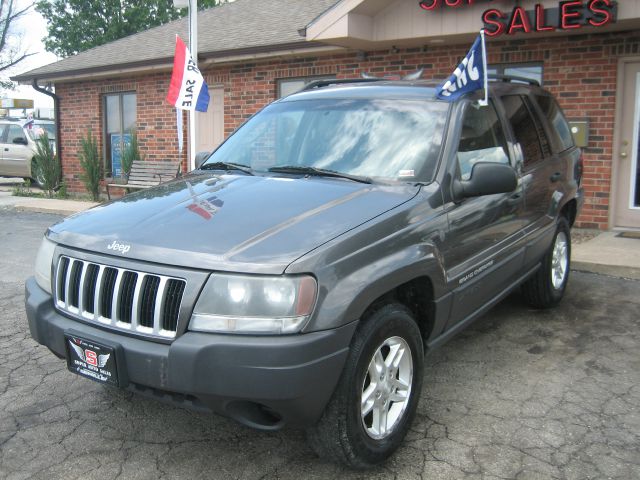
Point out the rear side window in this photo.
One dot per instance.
(481, 140)
(15, 133)
(561, 132)
(524, 128)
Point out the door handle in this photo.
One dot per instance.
(6, 149)
(555, 177)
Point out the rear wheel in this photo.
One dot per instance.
(376, 398)
(36, 174)
(546, 288)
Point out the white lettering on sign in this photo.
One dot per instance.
(468, 68)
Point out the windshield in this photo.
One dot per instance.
(39, 128)
(380, 139)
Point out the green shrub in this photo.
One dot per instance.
(91, 166)
(47, 164)
(130, 154)
(62, 191)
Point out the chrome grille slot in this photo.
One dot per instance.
(175, 289)
(127, 289)
(124, 299)
(74, 283)
(149, 293)
(108, 287)
(89, 286)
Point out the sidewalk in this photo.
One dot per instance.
(43, 205)
(609, 254)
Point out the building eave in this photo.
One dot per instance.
(165, 64)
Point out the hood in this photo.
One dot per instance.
(252, 224)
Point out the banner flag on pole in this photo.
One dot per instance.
(188, 90)
(470, 75)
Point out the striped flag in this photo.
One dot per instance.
(470, 75)
(188, 90)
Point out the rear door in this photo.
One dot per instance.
(543, 174)
(16, 152)
(538, 159)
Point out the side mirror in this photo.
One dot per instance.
(486, 179)
(20, 141)
(201, 157)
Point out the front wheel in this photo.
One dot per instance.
(377, 395)
(546, 288)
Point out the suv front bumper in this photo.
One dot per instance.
(265, 382)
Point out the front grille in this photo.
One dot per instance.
(125, 299)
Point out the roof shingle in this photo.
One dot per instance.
(238, 26)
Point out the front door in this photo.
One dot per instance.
(210, 124)
(16, 153)
(626, 191)
(478, 251)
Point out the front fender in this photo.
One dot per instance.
(362, 265)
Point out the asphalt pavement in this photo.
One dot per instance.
(522, 394)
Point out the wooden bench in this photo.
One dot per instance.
(147, 174)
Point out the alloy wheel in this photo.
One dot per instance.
(386, 388)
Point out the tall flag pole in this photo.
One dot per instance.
(469, 76)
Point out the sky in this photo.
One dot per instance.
(33, 29)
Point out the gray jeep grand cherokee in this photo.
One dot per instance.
(300, 274)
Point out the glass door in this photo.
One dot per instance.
(120, 123)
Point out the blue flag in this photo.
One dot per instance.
(469, 76)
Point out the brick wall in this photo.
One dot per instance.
(580, 70)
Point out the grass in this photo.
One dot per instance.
(24, 190)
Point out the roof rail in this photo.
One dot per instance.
(337, 81)
(514, 78)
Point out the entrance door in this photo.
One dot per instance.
(627, 188)
(210, 124)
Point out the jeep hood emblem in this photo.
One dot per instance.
(119, 247)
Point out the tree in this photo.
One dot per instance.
(11, 51)
(78, 25)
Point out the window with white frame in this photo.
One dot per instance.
(531, 71)
(287, 86)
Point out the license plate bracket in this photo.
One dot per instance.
(92, 359)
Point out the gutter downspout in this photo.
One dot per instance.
(56, 109)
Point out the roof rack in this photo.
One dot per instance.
(337, 81)
(514, 78)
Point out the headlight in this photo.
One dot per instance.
(254, 304)
(43, 264)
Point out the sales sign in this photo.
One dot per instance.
(569, 15)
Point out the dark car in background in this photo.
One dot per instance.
(301, 273)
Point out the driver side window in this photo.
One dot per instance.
(482, 139)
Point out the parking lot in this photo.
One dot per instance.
(522, 394)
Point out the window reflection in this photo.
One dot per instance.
(391, 139)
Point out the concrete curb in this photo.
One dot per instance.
(609, 270)
(42, 209)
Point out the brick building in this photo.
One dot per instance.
(254, 51)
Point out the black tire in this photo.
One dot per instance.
(341, 435)
(36, 176)
(540, 291)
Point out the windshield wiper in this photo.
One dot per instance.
(318, 172)
(227, 166)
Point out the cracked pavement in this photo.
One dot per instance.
(522, 394)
